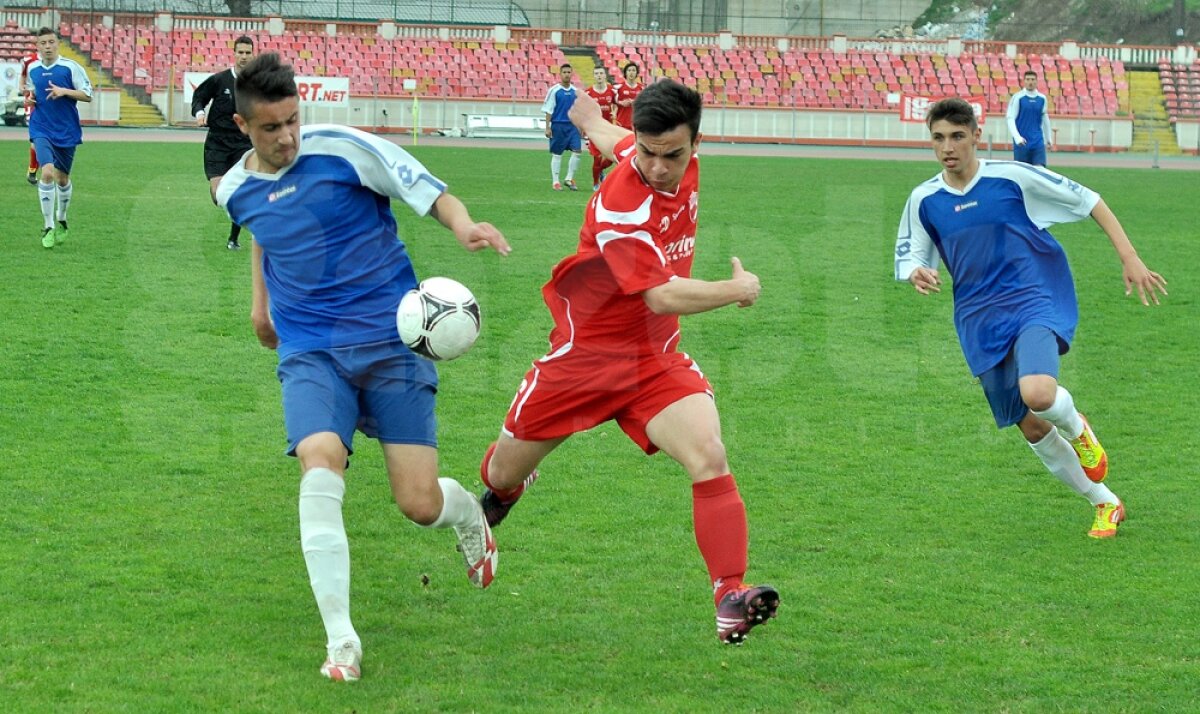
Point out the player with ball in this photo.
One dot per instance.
(328, 274)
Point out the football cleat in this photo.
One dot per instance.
(478, 548)
(571, 184)
(741, 610)
(48, 238)
(32, 178)
(595, 187)
(1092, 457)
(344, 662)
(494, 509)
(557, 186)
(60, 233)
(1108, 516)
(233, 244)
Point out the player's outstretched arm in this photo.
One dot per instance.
(260, 304)
(473, 236)
(1133, 271)
(586, 115)
(688, 296)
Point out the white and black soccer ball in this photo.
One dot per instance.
(439, 319)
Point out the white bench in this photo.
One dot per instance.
(496, 126)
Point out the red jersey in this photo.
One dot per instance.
(625, 114)
(27, 62)
(607, 100)
(633, 238)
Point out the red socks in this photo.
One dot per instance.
(719, 518)
(504, 496)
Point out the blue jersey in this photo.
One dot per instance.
(57, 120)
(1008, 271)
(334, 267)
(1028, 118)
(558, 102)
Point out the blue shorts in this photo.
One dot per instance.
(1030, 154)
(564, 136)
(60, 156)
(1035, 351)
(381, 389)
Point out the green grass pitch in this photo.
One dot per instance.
(926, 561)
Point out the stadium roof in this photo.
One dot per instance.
(458, 12)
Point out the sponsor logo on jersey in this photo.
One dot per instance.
(964, 206)
(679, 249)
(281, 193)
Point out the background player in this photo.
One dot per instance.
(605, 96)
(58, 85)
(26, 91)
(616, 304)
(213, 105)
(628, 91)
(328, 273)
(560, 131)
(1029, 123)
(1014, 298)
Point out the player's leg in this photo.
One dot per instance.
(320, 411)
(573, 163)
(597, 167)
(46, 190)
(558, 144)
(31, 176)
(1036, 352)
(509, 467)
(64, 159)
(689, 431)
(398, 399)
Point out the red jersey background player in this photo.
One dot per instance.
(25, 89)
(616, 305)
(628, 91)
(606, 96)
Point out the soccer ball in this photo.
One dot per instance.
(439, 319)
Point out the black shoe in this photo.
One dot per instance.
(741, 610)
(233, 244)
(31, 177)
(494, 510)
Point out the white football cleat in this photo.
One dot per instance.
(344, 663)
(478, 548)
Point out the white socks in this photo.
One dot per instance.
(1062, 461)
(326, 551)
(458, 505)
(46, 199)
(1062, 414)
(555, 166)
(64, 200)
(572, 165)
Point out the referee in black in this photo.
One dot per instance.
(213, 106)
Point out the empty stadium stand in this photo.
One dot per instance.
(1181, 89)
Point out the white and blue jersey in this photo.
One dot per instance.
(1008, 271)
(334, 267)
(558, 102)
(1028, 118)
(57, 120)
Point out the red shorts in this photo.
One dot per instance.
(576, 391)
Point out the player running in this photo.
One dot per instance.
(1014, 298)
(613, 353)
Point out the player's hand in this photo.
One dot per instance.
(747, 281)
(54, 91)
(478, 236)
(584, 110)
(264, 329)
(925, 280)
(1148, 283)
(1019, 142)
(202, 120)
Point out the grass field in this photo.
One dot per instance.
(926, 560)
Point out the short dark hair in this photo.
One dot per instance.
(630, 64)
(47, 31)
(564, 65)
(265, 79)
(244, 40)
(664, 105)
(954, 110)
(1029, 73)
